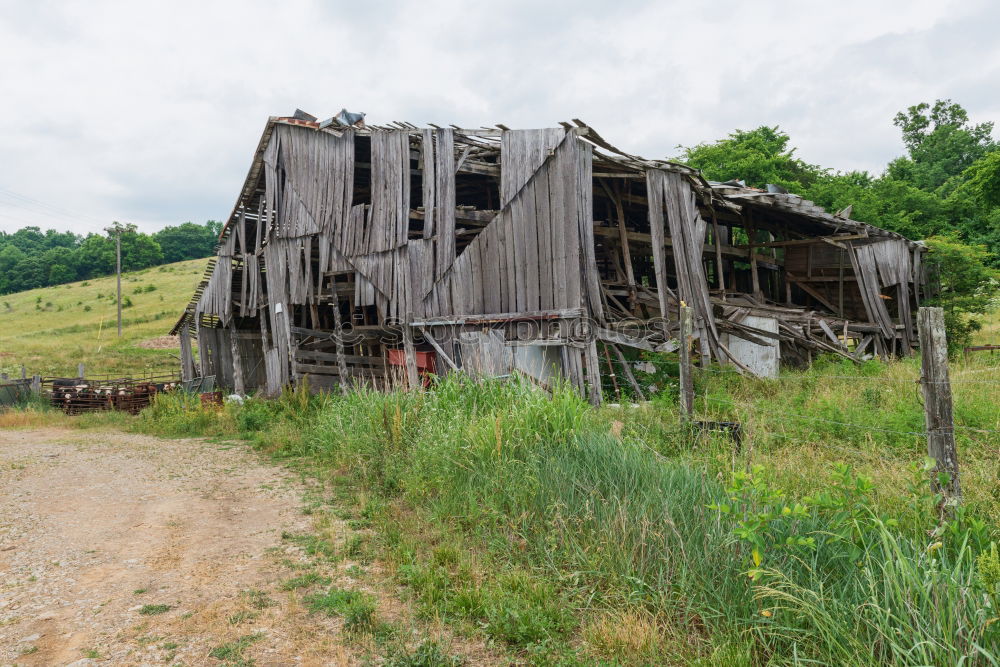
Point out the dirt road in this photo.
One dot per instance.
(118, 549)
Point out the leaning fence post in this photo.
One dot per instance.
(938, 417)
(686, 381)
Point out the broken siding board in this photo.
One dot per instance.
(428, 180)
(390, 191)
(585, 225)
(566, 163)
(654, 186)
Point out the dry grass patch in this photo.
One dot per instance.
(637, 637)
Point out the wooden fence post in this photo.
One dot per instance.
(938, 418)
(79, 371)
(36, 385)
(686, 381)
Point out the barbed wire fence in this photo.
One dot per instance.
(932, 393)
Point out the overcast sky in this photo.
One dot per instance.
(149, 112)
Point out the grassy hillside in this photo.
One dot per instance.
(50, 330)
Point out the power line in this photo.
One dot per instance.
(38, 206)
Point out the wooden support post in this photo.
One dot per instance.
(719, 267)
(940, 424)
(840, 286)
(79, 371)
(593, 373)
(412, 376)
(36, 384)
(752, 256)
(611, 374)
(338, 342)
(440, 350)
(686, 381)
(24, 372)
(239, 386)
(626, 251)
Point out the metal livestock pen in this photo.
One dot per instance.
(353, 250)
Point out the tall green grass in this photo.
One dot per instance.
(526, 516)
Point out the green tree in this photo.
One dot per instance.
(967, 286)
(941, 142)
(187, 241)
(60, 273)
(983, 178)
(758, 157)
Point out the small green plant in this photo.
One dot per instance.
(154, 609)
(988, 571)
(91, 654)
(139, 591)
(242, 617)
(233, 651)
(312, 545)
(428, 654)
(305, 581)
(257, 599)
(357, 608)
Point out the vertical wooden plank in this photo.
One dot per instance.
(525, 208)
(583, 153)
(752, 258)
(428, 179)
(539, 199)
(444, 203)
(654, 197)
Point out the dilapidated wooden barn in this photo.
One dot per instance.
(353, 251)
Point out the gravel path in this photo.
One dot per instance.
(96, 526)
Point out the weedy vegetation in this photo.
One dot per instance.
(564, 534)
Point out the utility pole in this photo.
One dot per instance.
(118, 271)
(116, 231)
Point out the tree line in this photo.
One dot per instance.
(31, 258)
(944, 190)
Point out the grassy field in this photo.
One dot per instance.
(567, 535)
(563, 534)
(52, 329)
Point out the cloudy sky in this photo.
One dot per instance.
(149, 112)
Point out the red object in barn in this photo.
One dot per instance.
(426, 362)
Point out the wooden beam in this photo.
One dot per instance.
(815, 239)
(810, 291)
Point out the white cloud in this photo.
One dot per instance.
(149, 112)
